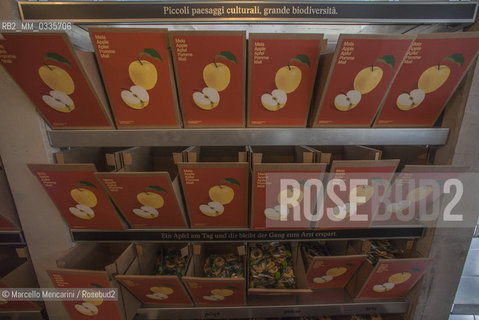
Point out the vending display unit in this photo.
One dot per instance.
(194, 134)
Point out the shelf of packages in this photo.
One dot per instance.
(298, 310)
(22, 315)
(248, 136)
(185, 235)
(11, 237)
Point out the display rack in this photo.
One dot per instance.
(273, 311)
(45, 231)
(238, 137)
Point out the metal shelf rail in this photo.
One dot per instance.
(247, 136)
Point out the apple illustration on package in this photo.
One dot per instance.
(85, 199)
(89, 307)
(287, 80)
(216, 76)
(220, 196)
(394, 280)
(160, 293)
(207, 99)
(408, 101)
(430, 80)
(347, 101)
(144, 76)
(365, 81)
(58, 101)
(219, 294)
(59, 81)
(332, 273)
(136, 97)
(151, 201)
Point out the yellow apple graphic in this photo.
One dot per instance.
(288, 78)
(294, 193)
(3, 301)
(142, 72)
(207, 99)
(54, 77)
(151, 199)
(434, 77)
(336, 272)
(368, 78)
(216, 74)
(59, 101)
(222, 193)
(419, 193)
(162, 289)
(399, 278)
(96, 301)
(223, 292)
(407, 101)
(363, 192)
(84, 196)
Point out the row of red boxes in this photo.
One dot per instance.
(281, 80)
(237, 187)
(133, 265)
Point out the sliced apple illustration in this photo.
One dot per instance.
(55, 77)
(212, 209)
(323, 279)
(207, 99)
(434, 77)
(157, 296)
(274, 213)
(379, 288)
(59, 101)
(337, 210)
(388, 285)
(142, 72)
(136, 97)
(398, 206)
(216, 74)
(214, 297)
(368, 78)
(146, 212)
(83, 212)
(87, 309)
(275, 100)
(288, 78)
(407, 101)
(346, 102)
